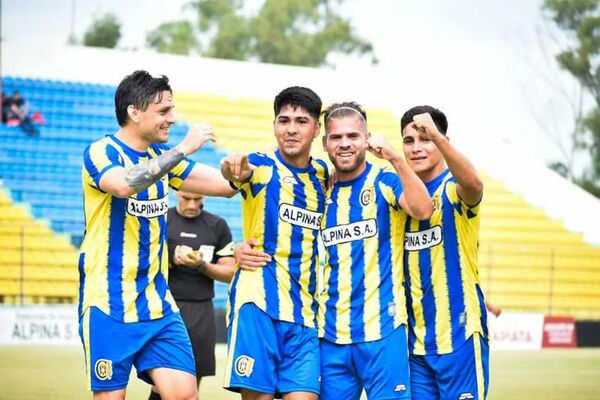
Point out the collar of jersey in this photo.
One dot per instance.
(291, 167)
(435, 182)
(357, 178)
(127, 149)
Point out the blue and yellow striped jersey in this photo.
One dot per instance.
(282, 207)
(363, 233)
(445, 302)
(124, 260)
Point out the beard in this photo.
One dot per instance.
(347, 167)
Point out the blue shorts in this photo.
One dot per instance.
(462, 374)
(380, 367)
(112, 347)
(270, 356)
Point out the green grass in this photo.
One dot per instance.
(39, 372)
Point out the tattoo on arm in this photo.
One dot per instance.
(142, 175)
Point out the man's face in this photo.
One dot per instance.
(346, 144)
(189, 205)
(157, 119)
(295, 129)
(421, 154)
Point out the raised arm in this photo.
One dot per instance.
(415, 199)
(124, 182)
(469, 183)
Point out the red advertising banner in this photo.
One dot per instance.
(559, 332)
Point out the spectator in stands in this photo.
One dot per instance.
(448, 336)
(19, 110)
(200, 252)
(5, 108)
(128, 317)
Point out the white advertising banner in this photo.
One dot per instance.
(516, 331)
(39, 325)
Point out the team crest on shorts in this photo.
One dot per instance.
(244, 366)
(103, 369)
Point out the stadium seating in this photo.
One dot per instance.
(528, 261)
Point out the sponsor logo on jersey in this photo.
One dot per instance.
(289, 180)
(188, 235)
(300, 217)
(244, 366)
(147, 208)
(391, 308)
(349, 232)
(103, 369)
(423, 239)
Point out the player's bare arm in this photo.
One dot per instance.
(236, 168)
(415, 199)
(248, 258)
(124, 182)
(469, 183)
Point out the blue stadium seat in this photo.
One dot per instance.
(45, 171)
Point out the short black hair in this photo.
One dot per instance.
(343, 109)
(439, 118)
(138, 90)
(298, 96)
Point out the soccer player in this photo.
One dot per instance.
(362, 308)
(272, 337)
(448, 337)
(200, 252)
(127, 314)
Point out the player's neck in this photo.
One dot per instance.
(300, 161)
(348, 176)
(432, 173)
(132, 139)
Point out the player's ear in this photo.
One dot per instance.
(317, 129)
(133, 113)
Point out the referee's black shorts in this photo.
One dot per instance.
(199, 319)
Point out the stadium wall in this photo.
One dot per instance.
(495, 142)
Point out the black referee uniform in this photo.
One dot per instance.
(193, 291)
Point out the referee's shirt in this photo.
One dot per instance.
(208, 233)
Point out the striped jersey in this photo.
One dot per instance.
(445, 301)
(123, 262)
(282, 207)
(363, 233)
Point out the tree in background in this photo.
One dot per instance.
(295, 32)
(105, 31)
(173, 37)
(580, 21)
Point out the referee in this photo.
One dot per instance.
(200, 252)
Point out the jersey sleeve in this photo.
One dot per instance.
(261, 175)
(178, 173)
(98, 158)
(390, 186)
(225, 241)
(450, 189)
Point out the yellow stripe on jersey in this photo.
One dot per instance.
(282, 207)
(363, 233)
(123, 262)
(445, 303)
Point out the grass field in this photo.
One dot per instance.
(36, 372)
